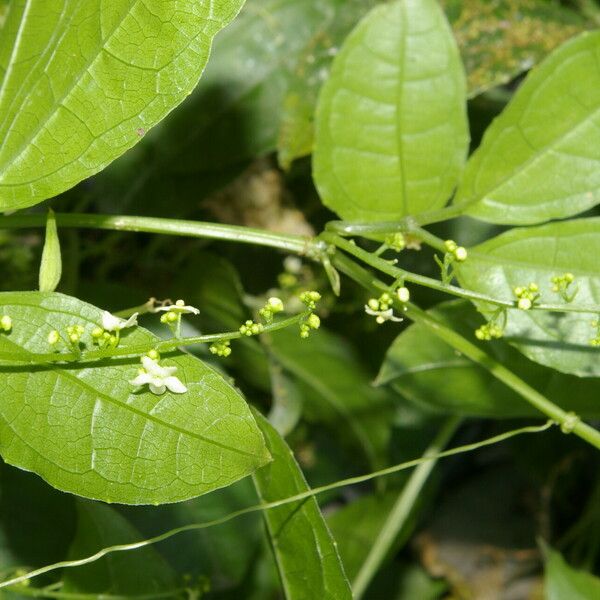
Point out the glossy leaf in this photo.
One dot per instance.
(85, 429)
(539, 160)
(501, 39)
(431, 374)
(563, 581)
(335, 388)
(142, 571)
(536, 254)
(305, 552)
(81, 82)
(391, 130)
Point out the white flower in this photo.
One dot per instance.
(158, 378)
(179, 307)
(382, 315)
(112, 323)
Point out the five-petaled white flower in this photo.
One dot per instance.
(382, 315)
(179, 307)
(112, 323)
(158, 378)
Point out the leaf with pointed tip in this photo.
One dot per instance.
(85, 429)
(562, 581)
(391, 130)
(306, 555)
(535, 255)
(539, 159)
(81, 81)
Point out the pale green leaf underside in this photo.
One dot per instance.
(540, 159)
(562, 582)
(391, 130)
(81, 81)
(305, 552)
(86, 430)
(428, 372)
(535, 254)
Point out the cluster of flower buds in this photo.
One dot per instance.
(527, 296)
(560, 285)
(270, 309)
(596, 340)
(250, 328)
(310, 299)
(109, 334)
(456, 252)
(6, 323)
(396, 242)
(381, 308)
(489, 331)
(312, 322)
(221, 348)
(74, 333)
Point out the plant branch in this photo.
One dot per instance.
(246, 235)
(401, 510)
(568, 421)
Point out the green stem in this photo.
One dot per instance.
(246, 235)
(397, 273)
(568, 421)
(33, 592)
(401, 511)
(140, 349)
(310, 493)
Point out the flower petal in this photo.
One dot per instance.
(158, 389)
(130, 322)
(175, 385)
(110, 322)
(141, 379)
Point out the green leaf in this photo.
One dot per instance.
(536, 254)
(51, 266)
(85, 429)
(431, 374)
(563, 581)
(305, 552)
(335, 388)
(539, 160)
(100, 526)
(286, 406)
(501, 39)
(391, 130)
(81, 82)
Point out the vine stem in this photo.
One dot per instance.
(401, 510)
(397, 273)
(569, 422)
(275, 504)
(287, 242)
(140, 349)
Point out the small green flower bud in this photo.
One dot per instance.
(97, 333)
(275, 304)
(403, 294)
(180, 303)
(53, 337)
(460, 254)
(153, 354)
(172, 317)
(74, 338)
(373, 304)
(450, 246)
(313, 321)
(6, 323)
(524, 303)
(533, 287)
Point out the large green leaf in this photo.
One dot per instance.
(563, 582)
(85, 429)
(335, 388)
(120, 573)
(500, 39)
(391, 130)
(428, 372)
(81, 81)
(305, 552)
(539, 160)
(536, 254)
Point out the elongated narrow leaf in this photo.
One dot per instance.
(306, 555)
(81, 81)
(540, 159)
(428, 372)
(51, 266)
(391, 130)
(85, 429)
(536, 254)
(334, 388)
(563, 581)
(142, 571)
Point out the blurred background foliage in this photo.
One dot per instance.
(238, 151)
